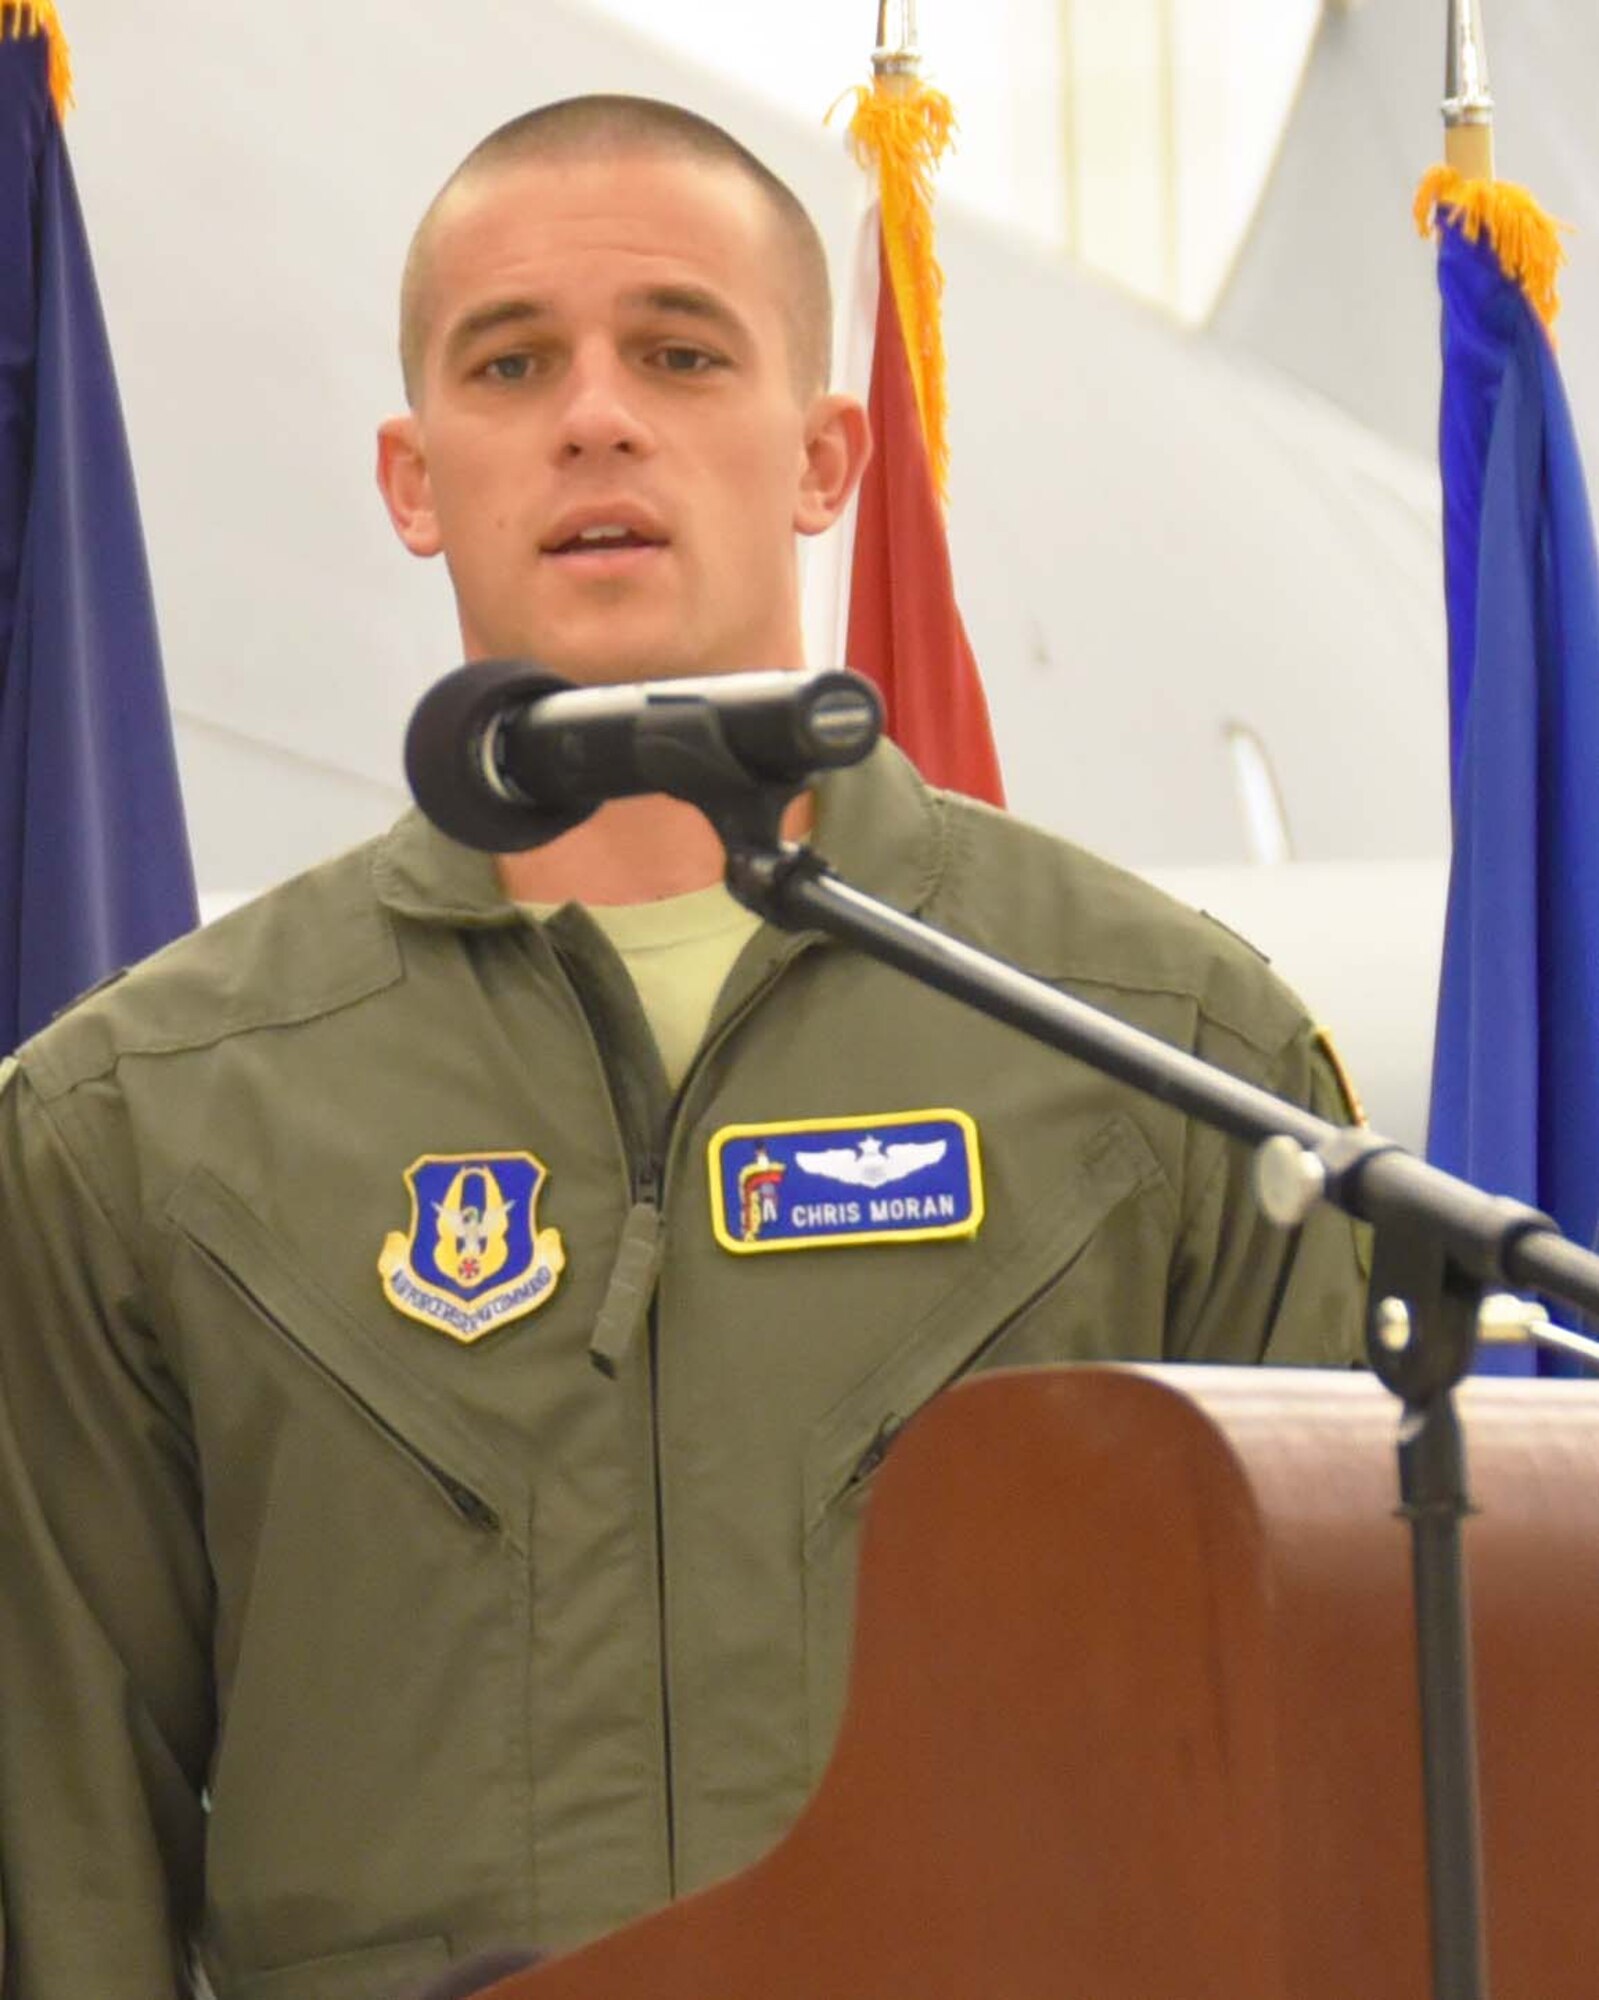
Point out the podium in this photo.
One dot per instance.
(1132, 1713)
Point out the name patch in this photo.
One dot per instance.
(816, 1183)
(474, 1257)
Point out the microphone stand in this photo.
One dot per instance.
(1441, 1246)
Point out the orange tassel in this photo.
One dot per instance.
(26, 18)
(900, 133)
(1523, 236)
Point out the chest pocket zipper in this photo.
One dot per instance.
(958, 1336)
(470, 1505)
(204, 1212)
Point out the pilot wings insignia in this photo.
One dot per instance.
(872, 1164)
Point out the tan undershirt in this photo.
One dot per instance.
(679, 952)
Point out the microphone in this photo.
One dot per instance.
(502, 755)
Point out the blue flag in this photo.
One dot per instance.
(1515, 1088)
(94, 863)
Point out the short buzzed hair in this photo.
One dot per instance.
(592, 127)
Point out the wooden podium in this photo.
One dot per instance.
(1132, 1714)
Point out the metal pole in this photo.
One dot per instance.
(1432, 1478)
(1468, 99)
(896, 53)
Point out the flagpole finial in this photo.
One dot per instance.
(896, 53)
(1468, 101)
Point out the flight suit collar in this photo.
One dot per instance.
(422, 873)
(878, 826)
(881, 829)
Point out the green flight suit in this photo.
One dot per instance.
(340, 1646)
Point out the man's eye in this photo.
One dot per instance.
(508, 367)
(679, 360)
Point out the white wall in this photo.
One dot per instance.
(1134, 133)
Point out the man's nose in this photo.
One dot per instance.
(601, 411)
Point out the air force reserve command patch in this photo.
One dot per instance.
(820, 1183)
(474, 1257)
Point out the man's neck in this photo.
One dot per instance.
(630, 851)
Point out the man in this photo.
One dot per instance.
(427, 1509)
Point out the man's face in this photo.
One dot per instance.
(608, 445)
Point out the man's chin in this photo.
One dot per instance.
(611, 665)
(609, 670)
(609, 652)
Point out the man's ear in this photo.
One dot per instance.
(838, 447)
(404, 483)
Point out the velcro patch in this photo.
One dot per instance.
(821, 1183)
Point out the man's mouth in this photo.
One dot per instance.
(602, 539)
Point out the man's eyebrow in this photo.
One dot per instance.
(500, 313)
(692, 302)
(688, 302)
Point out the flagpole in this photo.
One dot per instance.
(897, 59)
(1424, 1318)
(1468, 101)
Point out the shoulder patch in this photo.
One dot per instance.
(1346, 1087)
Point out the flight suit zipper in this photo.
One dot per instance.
(626, 1311)
(649, 1187)
(630, 1289)
(629, 1306)
(648, 1197)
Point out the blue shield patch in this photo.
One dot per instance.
(821, 1183)
(474, 1257)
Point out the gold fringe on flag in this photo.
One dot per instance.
(899, 130)
(1523, 236)
(20, 18)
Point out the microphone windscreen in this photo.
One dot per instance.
(444, 757)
